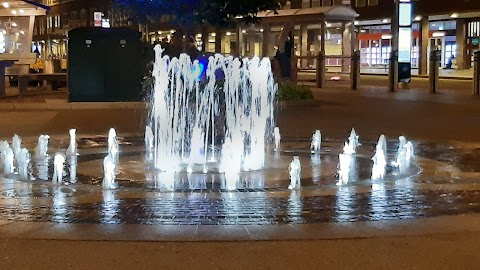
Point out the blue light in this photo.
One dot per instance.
(198, 70)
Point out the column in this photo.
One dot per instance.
(266, 41)
(423, 47)
(240, 45)
(218, 41)
(346, 47)
(304, 44)
(251, 42)
(322, 33)
(204, 39)
(461, 38)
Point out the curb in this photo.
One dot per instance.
(72, 106)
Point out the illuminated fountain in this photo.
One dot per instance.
(7, 157)
(42, 146)
(72, 146)
(380, 159)
(295, 170)
(316, 141)
(405, 155)
(23, 160)
(58, 166)
(113, 149)
(350, 148)
(108, 172)
(217, 121)
(16, 145)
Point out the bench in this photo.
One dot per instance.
(50, 81)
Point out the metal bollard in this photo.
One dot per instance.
(393, 71)
(476, 73)
(320, 79)
(355, 72)
(434, 70)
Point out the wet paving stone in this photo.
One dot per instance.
(342, 207)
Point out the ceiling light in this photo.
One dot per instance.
(454, 15)
(21, 11)
(6, 5)
(228, 33)
(417, 18)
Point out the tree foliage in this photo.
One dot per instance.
(214, 12)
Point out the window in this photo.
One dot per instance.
(326, 3)
(373, 2)
(360, 3)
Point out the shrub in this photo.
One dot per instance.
(288, 91)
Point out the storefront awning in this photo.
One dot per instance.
(332, 13)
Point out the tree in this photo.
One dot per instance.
(190, 12)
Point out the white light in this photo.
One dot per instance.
(385, 20)
(14, 12)
(17, 34)
(21, 11)
(159, 32)
(213, 34)
(438, 34)
(244, 31)
(329, 25)
(417, 18)
(261, 30)
(172, 31)
(22, 32)
(387, 36)
(228, 33)
(14, 24)
(356, 22)
(6, 5)
(454, 15)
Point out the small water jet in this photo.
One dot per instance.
(295, 169)
(109, 165)
(7, 157)
(73, 169)
(344, 168)
(16, 145)
(42, 146)
(380, 159)
(58, 167)
(350, 148)
(316, 141)
(113, 149)
(405, 155)
(72, 146)
(277, 137)
(23, 161)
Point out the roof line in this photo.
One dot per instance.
(36, 4)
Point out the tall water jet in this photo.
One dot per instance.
(233, 100)
(73, 169)
(277, 137)
(42, 146)
(405, 155)
(113, 149)
(109, 165)
(149, 138)
(7, 157)
(16, 145)
(58, 167)
(350, 148)
(316, 141)
(295, 170)
(380, 159)
(23, 161)
(72, 146)
(344, 168)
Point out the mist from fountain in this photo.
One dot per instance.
(72, 146)
(233, 100)
(316, 141)
(42, 146)
(58, 168)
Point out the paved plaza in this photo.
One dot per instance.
(427, 217)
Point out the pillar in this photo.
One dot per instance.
(346, 47)
(304, 44)
(423, 48)
(251, 42)
(204, 39)
(218, 42)
(322, 33)
(461, 38)
(240, 45)
(266, 41)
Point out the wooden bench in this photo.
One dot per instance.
(50, 81)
